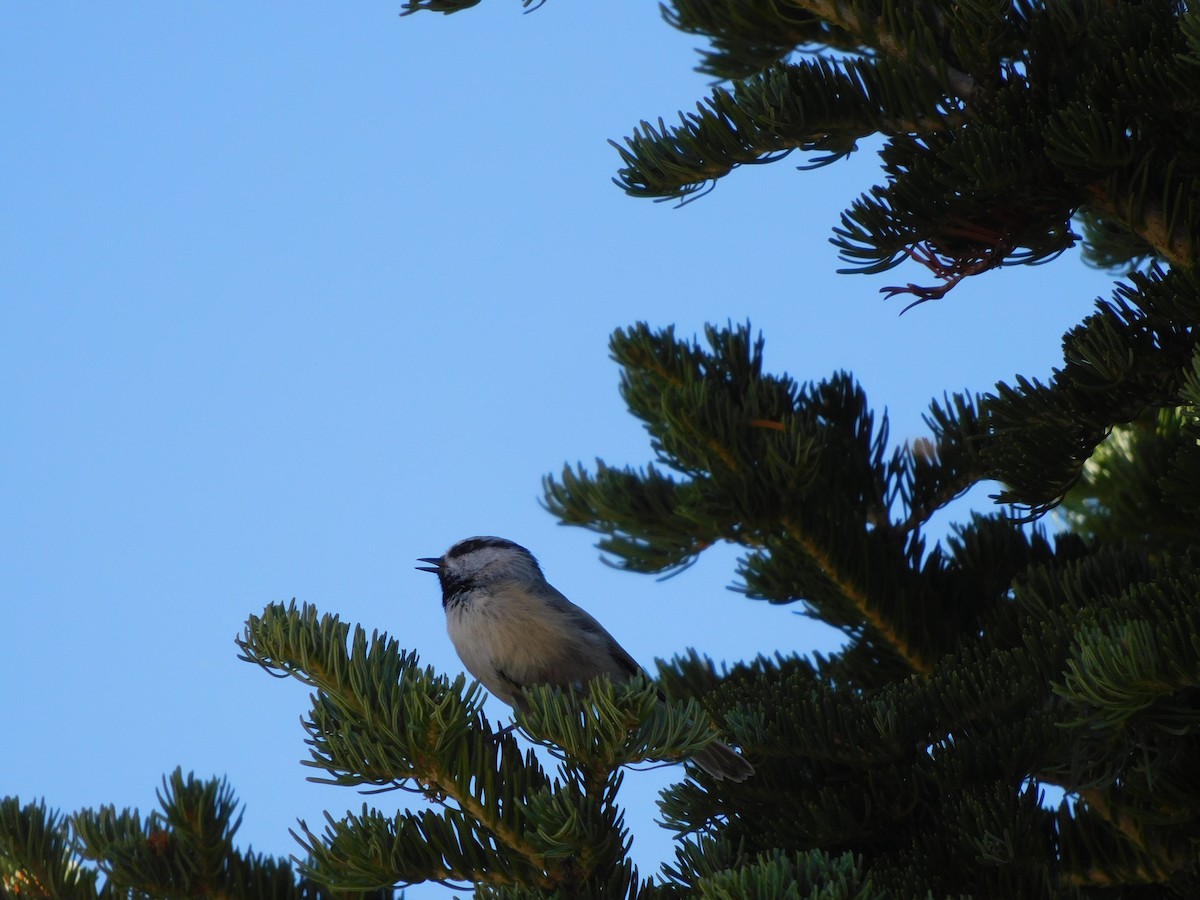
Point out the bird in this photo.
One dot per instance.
(512, 629)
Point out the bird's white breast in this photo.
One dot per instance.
(506, 631)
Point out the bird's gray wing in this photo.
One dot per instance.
(718, 759)
(619, 664)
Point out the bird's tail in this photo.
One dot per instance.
(723, 762)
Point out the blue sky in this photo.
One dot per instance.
(294, 294)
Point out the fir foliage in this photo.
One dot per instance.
(182, 850)
(1002, 121)
(498, 820)
(37, 858)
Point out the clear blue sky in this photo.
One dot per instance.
(292, 294)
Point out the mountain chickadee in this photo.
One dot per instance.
(511, 628)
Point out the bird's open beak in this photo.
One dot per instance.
(436, 564)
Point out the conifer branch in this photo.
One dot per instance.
(358, 686)
(379, 719)
(1154, 864)
(859, 599)
(443, 6)
(37, 857)
(852, 19)
(1134, 353)
(1173, 240)
(815, 105)
(1123, 823)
